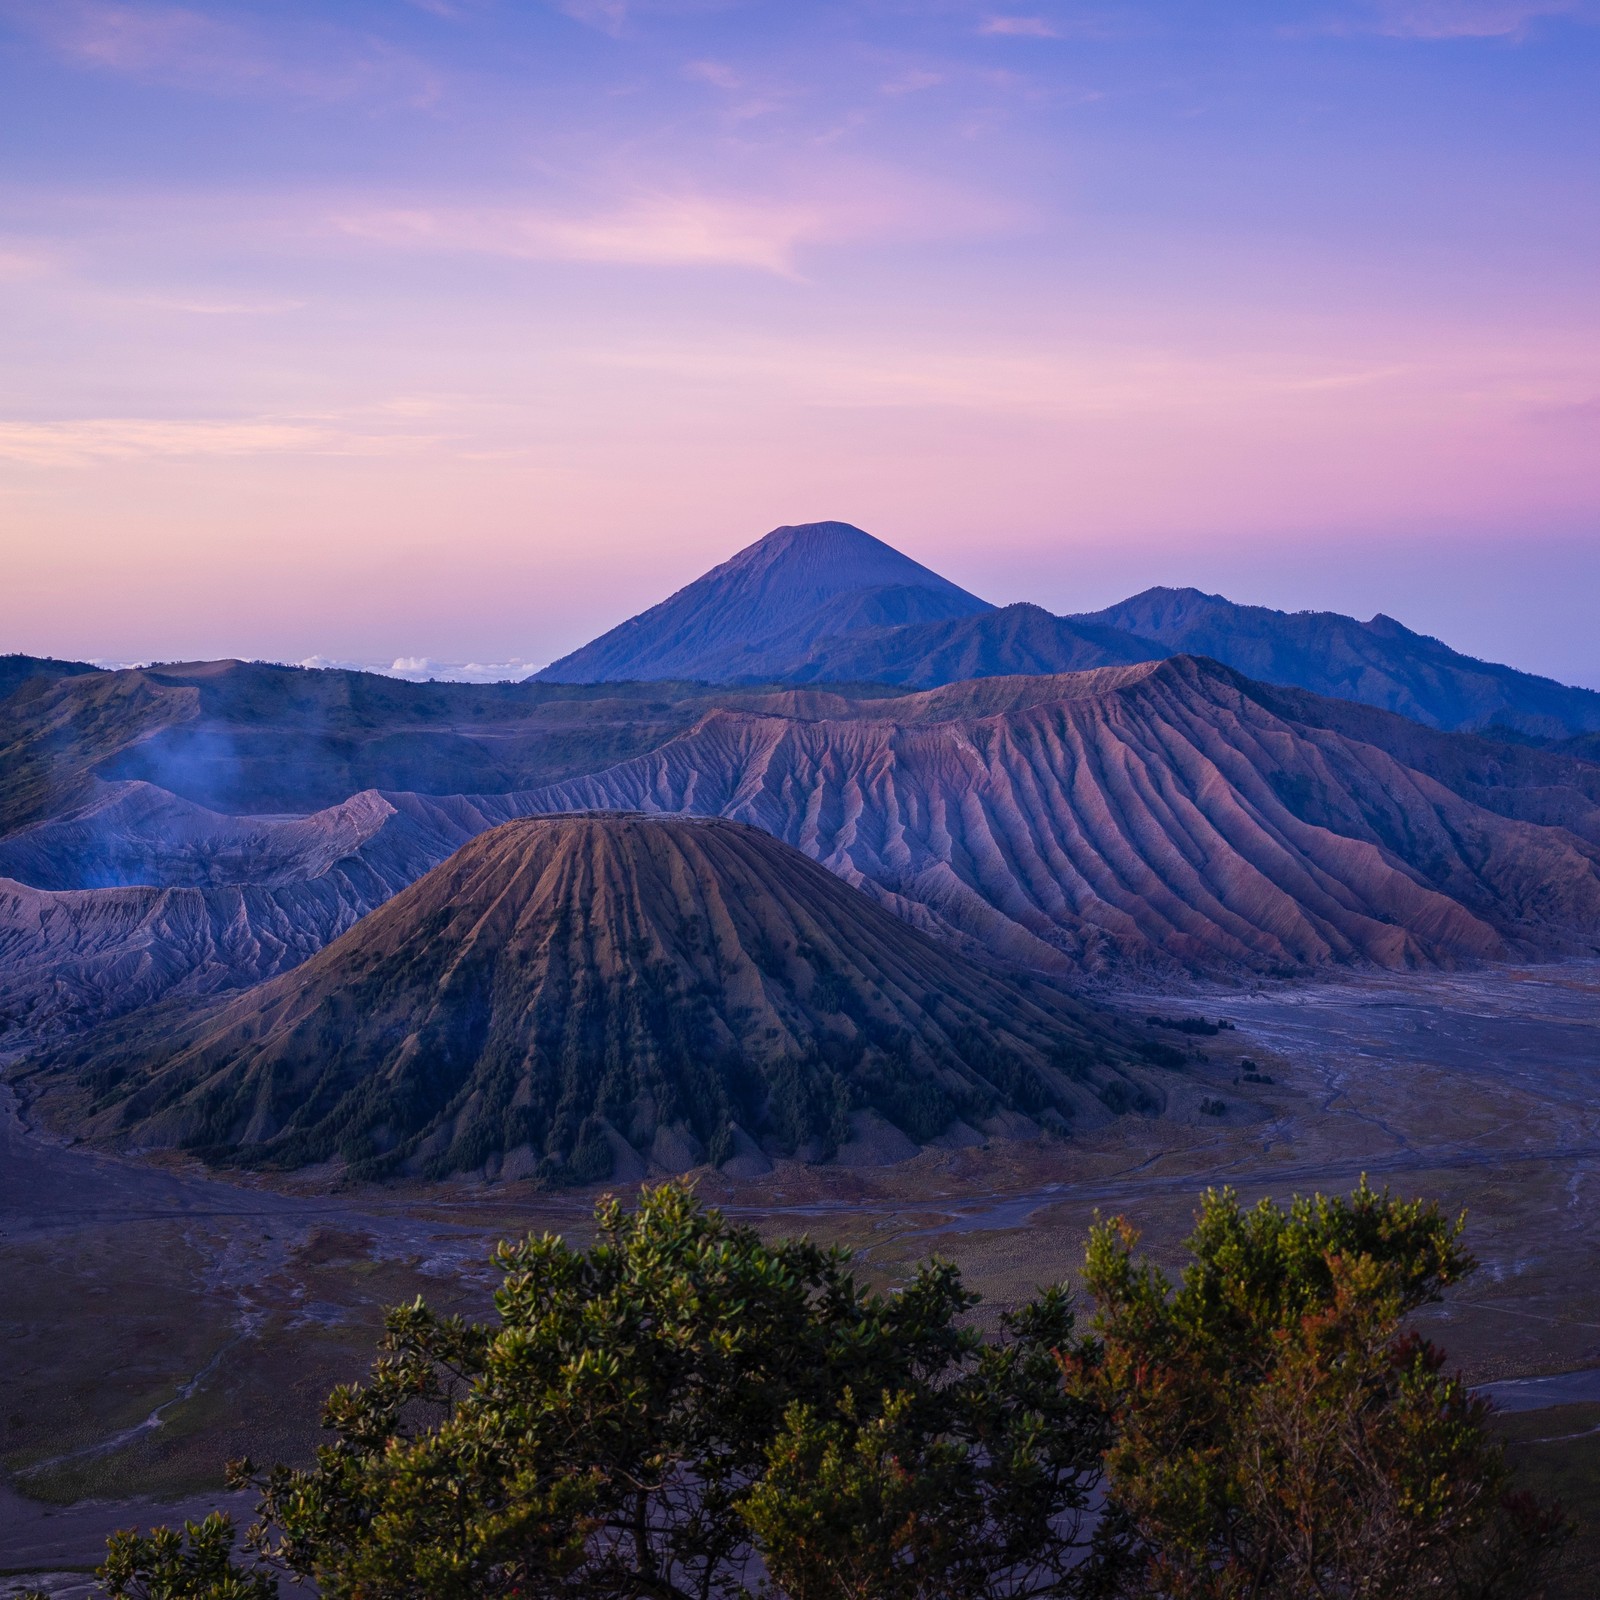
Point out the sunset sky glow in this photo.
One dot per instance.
(461, 329)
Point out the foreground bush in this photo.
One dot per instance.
(684, 1412)
(1276, 1434)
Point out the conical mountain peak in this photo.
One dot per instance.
(581, 996)
(837, 556)
(750, 617)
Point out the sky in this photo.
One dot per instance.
(455, 331)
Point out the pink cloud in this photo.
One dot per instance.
(686, 228)
(717, 73)
(660, 230)
(1018, 27)
(22, 262)
(81, 442)
(588, 216)
(201, 306)
(187, 48)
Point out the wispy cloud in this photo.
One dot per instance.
(87, 441)
(1585, 410)
(609, 16)
(619, 17)
(188, 48)
(204, 306)
(682, 229)
(912, 81)
(1456, 19)
(664, 230)
(1019, 27)
(745, 99)
(717, 73)
(600, 216)
(1130, 380)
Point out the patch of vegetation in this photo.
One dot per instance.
(1195, 1025)
(1278, 1434)
(1120, 1097)
(649, 1418)
(1162, 1055)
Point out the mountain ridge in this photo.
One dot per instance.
(1015, 640)
(840, 631)
(1380, 662)
(1165, 810)
(971, 810)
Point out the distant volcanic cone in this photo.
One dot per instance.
(754, 615)
(581, 997)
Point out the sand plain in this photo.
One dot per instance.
(157, 1321)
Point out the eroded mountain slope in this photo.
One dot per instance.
(574, 996)
(1174, 814)
(55, 731)
(1546, 786)
(1162, 811)
(250, 738)
(72, 958)
(139, 896)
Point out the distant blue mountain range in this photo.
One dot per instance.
(824, 602)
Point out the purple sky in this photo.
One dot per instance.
(460, 329)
